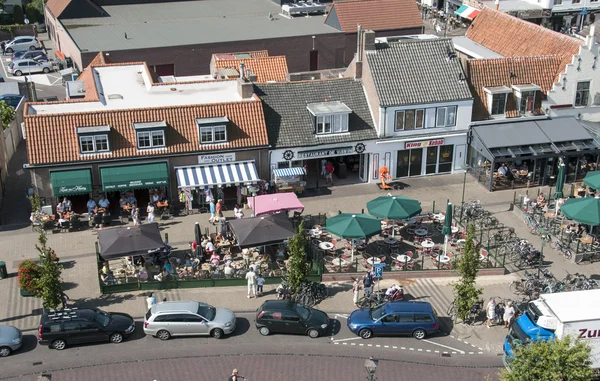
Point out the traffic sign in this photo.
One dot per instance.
(379, 269)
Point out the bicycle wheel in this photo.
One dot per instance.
(516, 287)
(453, 312)
(569, 254)
(578, 258)
(554, 245)
(363, 302)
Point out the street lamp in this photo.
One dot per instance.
(371, 367)
(462, 201)
(543, 234)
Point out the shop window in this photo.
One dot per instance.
(582, 94)
(557, 2)
(150, 139)
(407, 120)
(446, 116)
(283, 164)
(446, 158)
(93, 139)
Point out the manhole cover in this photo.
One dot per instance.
(446, 355)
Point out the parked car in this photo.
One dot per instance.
(286, 316)
(38, 55)
(58, 329)
(11, 340)
(22, 43)
(188, 318)
(418, 319)
(21, 67)
(11, 99)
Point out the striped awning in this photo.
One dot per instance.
(461, 9)
(286, 172)
(226, 174)
(467, 12)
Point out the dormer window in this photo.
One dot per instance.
(330, 117)
(496, 99)
(150, 135)
(526, 97)
(93, 139)
(212, 130)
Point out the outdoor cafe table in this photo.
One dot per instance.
(339, 262)
(410, 221)
(443, 258)
(421, 231)
(326, 246)
(461, 242)
(390, 241)
(439, 217)
(427, 246)
(587, 240)
(373, 260)
(403, 258)
(455, 229)
(315, 233)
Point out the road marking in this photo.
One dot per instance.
(466, 342)
(378, 346)
(341, 315)
(362, 345)
(443, 346)
(453, 353)
(369, 345)
(395, 347)
(479, 353)
(352, 343)
(402, 348)
(428, 350)
(386, 346)
(473, 346)
(471, 353)
(351, 338)
(420, 350)
(436, 351)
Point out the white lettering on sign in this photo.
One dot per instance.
(216, 158)
(325, 153)
(426, 143)
(76, 188)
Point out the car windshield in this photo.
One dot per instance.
(102, 318)
(302, 311)
(377, 312)
(207, 312)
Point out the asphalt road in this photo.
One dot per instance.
(46, 85)
(339, 356)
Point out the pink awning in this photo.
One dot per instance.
(472, 14)
(274, 203)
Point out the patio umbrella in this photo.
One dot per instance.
(447, 229)
(592, 179)
(583, 210)
(560, 181)
(197, 236)
(346, 225)
(394, 208)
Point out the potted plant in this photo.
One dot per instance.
(27, 275)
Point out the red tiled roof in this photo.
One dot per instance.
(53, 138)
(377, 15)
(513, 37)
(253, 54)
(507, 72)
(87, 77)
(266, 68)
(57, 6)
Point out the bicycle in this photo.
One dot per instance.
(474, 312)
(531, 223)
(558, 245)
(372, 300)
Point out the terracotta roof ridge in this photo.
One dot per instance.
(483, 61)
(308, 80)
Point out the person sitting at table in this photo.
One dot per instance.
(62, 222)
(581, 230)
(541, 200)
(210, 247)
(60, 209)
(502, 170)
(281, 253)
(66, 204)
(103, 203)
(215, 259)
(512, 167)
(91, 205)
(155, 198)
(228, 270)
(131, 199)
(123, 201)
(237, 212)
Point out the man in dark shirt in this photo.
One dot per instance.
(368, 283)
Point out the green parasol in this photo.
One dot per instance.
(592, 179)
(447, 230)
(560, 181)
(583, 210)
(348, 225)
(394, 207)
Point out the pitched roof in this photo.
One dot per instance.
(417, 72)
(510, 71)
(513, 37)
(266, 68)
(290, 124)
(57, 6)
(53, 139)
(84, 8)
(375, 15)
(87, 77)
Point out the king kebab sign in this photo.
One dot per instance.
(426, 143)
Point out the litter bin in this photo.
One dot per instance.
(3, 272)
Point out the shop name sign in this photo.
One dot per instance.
(325, 153)
(426, 143)
(76, 188)
(136, 184)
(216, 158)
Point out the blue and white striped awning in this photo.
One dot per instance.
(286, 172)
(225, 174)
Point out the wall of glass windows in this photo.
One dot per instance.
(427, 158)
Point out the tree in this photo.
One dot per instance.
(7, 114)
(297, 271)
(554, 360)
(48, 282)
(35, 11)
(465, 292)
(18, 15)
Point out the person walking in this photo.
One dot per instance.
(213, 211)
(356, 291)
(150, 211)
(329, 168)
(150, 300)
(135, 216)
(3, 47)
(509, 314)
(251, 278)
(64, 299)
(219, 209)
(368, 283)
(260, 281)
(491, 312)
(234, 376)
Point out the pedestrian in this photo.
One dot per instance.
(260, 281)
(356, 291)
(150, 211)
(218, 208)
(491, 312)
(65, 300)
(234, 376)
(3, 47)
(150, 300)
(251, 278)
(213, 211)
(135, 216)
(509, 313)
(368, 283)
(329, 168)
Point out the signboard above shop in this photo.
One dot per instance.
(325, 153)
(216, 158)
(425, 143)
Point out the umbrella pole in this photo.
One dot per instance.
(446, 245)
(393, 229)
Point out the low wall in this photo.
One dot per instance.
(8, 32)
(345, 277)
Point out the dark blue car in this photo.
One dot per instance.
(418, 319)
(11, 99)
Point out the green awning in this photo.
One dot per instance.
(461, 9)
(67, 183)
(134, 176)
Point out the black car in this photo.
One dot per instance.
(74, 326)
(285, 316)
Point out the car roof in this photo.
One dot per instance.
(176, 306)
(278, 305)
(67, 315)
(408, 306)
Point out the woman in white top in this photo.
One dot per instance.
(509, 313)
(237, 212)
(150, 211)
(491, 312)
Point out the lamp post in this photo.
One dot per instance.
(462, 201)
(371, 367)
(543, 234)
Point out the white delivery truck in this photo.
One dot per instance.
(575, 313)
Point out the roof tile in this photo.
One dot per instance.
(266, 68)
(377, 15)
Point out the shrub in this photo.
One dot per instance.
(28, 275)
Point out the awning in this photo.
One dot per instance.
(134, 176)
(275, 203)
(132, 240)
(236, 173)
(467, 12)
(67, 183)
(461, 9)
(286, 172)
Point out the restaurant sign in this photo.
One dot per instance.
(216, 158)
(426, 143)
(134, 184)
(74, 189)
(325, 153)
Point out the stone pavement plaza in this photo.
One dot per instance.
(76, 252)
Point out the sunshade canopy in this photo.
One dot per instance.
(394, 207)
(560, 181)
(225, 174)
(583, 210)
(128, 241)
(274, 203)
(592, 179)
(262, 231)
(67, 183)
(447, 229)
(134, 176)
(348, 225)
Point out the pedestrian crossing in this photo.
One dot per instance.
(426, 290)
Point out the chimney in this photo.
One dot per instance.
(368, 40)
(358, 43)
(242, 71)
(245, 88)
(591, 38)
(497, 4)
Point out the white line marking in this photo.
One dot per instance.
(428, 350)
(443, 346)
(453, 353)
(402, 348)
(386, 346)
(480, 349)
(420, 350)
(362, 345)
(452, 336)
(411, 349)
(444, 352)
(479, 353)
(352, 343)
(473, 346)
(471, 353)
(466, 342)
(341, 315)
(378, 346)
(342, 343)
(350, 338)
(336, 343)
(369, 345)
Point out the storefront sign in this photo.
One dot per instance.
(216, 158)
(74, 189)
(427, 143)
(325, 153)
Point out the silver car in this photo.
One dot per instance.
(188, 318)
(11, 339)
(21, 67)
(22, 43)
